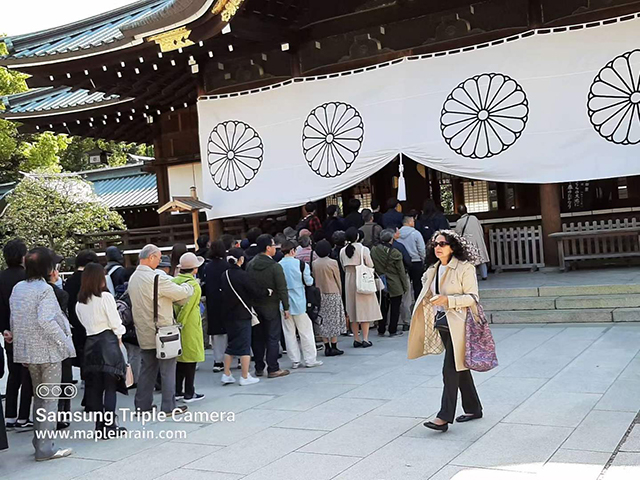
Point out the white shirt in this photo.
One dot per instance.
(100, 314)
(441, 271)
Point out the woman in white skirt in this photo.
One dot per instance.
(361, 308)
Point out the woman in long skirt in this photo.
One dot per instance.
(331, 319)
(362, 308)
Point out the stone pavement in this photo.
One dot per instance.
(562, 405)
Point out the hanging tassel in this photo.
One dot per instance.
(402, 187)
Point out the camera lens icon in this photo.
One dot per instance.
(56, 391)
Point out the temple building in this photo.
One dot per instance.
(151, 71)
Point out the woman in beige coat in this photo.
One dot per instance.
(450, 287)
(361, 308)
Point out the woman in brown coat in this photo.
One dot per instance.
(450, 289)
(361, 308)
(326, 273)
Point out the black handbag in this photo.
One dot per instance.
(440, 322)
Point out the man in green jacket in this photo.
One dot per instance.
(267, 273)
(188, 315)
(389, 265)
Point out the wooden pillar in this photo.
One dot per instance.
(195, 218)
(551, 221)
(215, 229)
(458, 193)
(435, 187)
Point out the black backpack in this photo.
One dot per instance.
(313, 296)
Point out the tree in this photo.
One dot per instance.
(52, 209)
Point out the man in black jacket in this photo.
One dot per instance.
(114, 270)
(393, 216)
(19, 380)
(266, 273)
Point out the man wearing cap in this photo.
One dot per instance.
(188, 315)
(142, 302)
(114, 271)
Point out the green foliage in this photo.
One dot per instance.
(44, 152)
(52, 210)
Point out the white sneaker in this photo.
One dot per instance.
(295, 365)
(248, 381)
(227, 380)
(317, 363)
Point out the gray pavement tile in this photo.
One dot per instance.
(307, 397)
(152, 463)
(454, 472)
(568, 464)
(405, 458)
(623, 395)
(236, 403)
(387, 386)
(23, 467)
(508, 390)
(331, 414)
(632, 442)
(626, 466)
(362, 436)
(523, 448)
(246, 424)
(554, 409)
(188, 474)
(357, 375)
(255, 451)
(466, 432)
(418, 402)
(307, 466)
(600, 431)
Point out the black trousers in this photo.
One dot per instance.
(454, 380)
(392, 304)
(18, 383)
(265, 337)
(185, 379)
(67, 377)
(100, 392)
(415, 274)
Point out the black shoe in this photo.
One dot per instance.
(23, 426)
(405, 328)
(336, 350)
(435, 426)
(396, 334)
(259, 373)
(62, 425)
(357, 344)
(468, 418)
(366, 344)
(10, 425)
(381, 334)
(218, 367)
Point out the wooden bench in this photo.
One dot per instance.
(597, 244)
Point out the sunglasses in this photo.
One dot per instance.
(440, 244)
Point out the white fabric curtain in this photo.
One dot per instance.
(543, 107)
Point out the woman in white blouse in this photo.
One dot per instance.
(104, 364)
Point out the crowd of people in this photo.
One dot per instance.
(294, 293)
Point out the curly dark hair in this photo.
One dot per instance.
(460, 250)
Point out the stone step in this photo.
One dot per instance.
(517, 303)
(599, 315)
(597, 301)
(626, 315)
(560, 291)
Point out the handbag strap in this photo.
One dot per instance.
(155, 301)
(465, 226)
(237, 295)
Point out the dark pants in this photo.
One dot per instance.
(149, 369)
(454, 380)
(392, 304)
(415, 274)
(265, 337)
(4, 443)
(18, 382)
(67, 377)
(100, 393)
(186, 374)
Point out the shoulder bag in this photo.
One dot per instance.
(365, 277)
(312, 296)
(168, 342)
(480, 348)
(254, 315)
